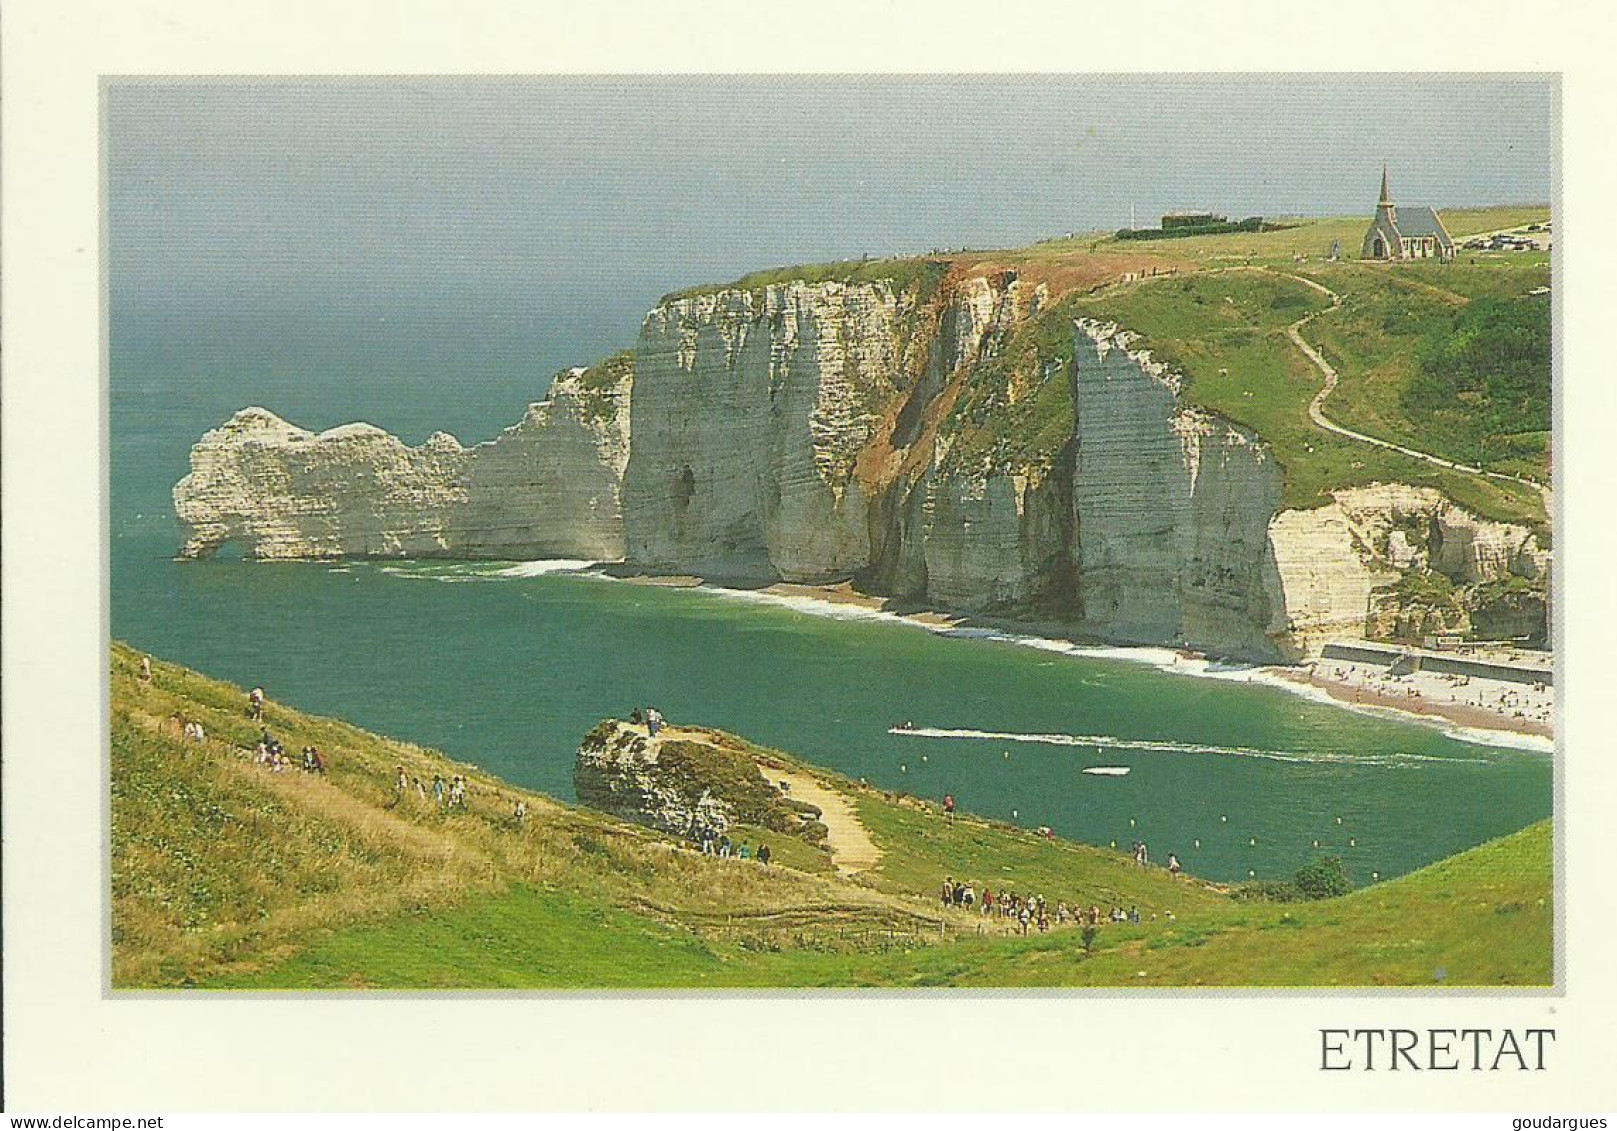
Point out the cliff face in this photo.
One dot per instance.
(751, 411)
(1173, 507)
(546, 487)
(960, 441)
(794, 433)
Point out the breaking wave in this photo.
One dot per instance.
(1106, 742)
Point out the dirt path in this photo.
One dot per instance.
(851, 847)
(1316, 407)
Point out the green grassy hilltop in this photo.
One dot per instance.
(229, 874)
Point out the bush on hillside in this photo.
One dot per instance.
(1266, 891)
(1323, 878)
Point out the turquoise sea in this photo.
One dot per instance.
(507, 668)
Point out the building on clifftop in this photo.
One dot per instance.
(1416, 234)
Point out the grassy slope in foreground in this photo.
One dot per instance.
(226, 874)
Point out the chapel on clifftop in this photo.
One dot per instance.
(1417, 233)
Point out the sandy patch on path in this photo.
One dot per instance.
(852, 850)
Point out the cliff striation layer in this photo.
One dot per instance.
(549, 486)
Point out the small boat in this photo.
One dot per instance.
(1107, 771)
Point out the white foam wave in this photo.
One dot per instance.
(488, 571)
(1509, 740)
(542, 568)
(1104, 742)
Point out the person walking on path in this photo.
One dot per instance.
(1173, 865)
(763, 854)
(948, 806)
(145, 669)
(255, 703)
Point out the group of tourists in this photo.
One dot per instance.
(446, 795)
(1532, 701)
(272, 755)
(717, 844)
(650, 718)
(1142, 857)
(189, 728)
(1030, 911)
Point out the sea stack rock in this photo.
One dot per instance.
(549, 486)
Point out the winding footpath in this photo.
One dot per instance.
(852, 850)
(1316, 407)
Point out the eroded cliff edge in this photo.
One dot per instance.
(958, 440)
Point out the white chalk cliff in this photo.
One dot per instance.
(893, 436)
(548, 486)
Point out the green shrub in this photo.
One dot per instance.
(1266, 891)
(1323, 878)
(803, 807)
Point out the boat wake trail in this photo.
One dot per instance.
(1107, 742)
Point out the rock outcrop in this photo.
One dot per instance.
(549, 486)
(688, 783)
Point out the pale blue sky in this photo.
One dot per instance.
(540, 204)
